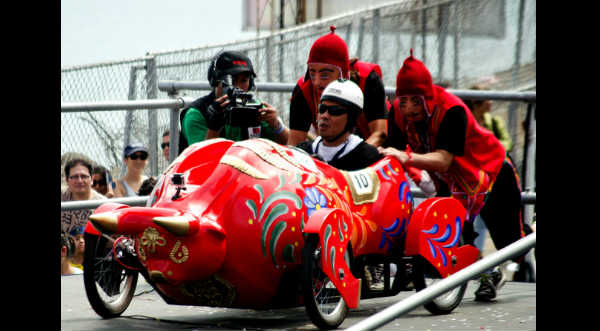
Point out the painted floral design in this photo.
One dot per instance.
(314, 200)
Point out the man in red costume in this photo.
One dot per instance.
(431, 129)
(328, 61)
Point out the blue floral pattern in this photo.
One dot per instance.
(314, 200)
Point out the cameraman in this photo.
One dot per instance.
(230, 73)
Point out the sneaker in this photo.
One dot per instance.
(490, 283)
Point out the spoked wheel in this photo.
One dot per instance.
(108, 285)
(425, 275)
(324, 304)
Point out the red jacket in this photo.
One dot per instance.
(364, 69)
(476, 170)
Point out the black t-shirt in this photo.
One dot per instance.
(362, 156)
(301, 116)
(450, 136)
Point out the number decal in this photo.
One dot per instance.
(363, 184)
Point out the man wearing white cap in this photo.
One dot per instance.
(340, 104)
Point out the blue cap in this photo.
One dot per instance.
(76, 230)
(132, 149)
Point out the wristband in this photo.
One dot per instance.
(408, 153)
(281, 126)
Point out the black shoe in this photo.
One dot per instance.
(490, 283)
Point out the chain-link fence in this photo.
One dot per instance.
(460, 41)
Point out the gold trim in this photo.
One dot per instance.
(282, 152)
(214, 291)
(276, 161)
(140, 250)
(151, 238)
(183, 255)
(368, 197)
(157, 276)
(242, 166)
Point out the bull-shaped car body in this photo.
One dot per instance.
(254, 224)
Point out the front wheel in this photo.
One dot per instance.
(425, 275)
(108, 285)
(324, 304)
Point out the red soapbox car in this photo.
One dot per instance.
(257, 225)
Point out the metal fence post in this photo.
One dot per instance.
(424, 32)
(443, 19)
(376, 33)
(152, 92)
(361, 33)
(457, 27)
(173, 129)
(130, 96)
(512, 115)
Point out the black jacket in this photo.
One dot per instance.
(362, 156)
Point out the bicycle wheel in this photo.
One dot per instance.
(425, 275)
(324, 304)
(108, 285)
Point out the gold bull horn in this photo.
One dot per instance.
(177, 225)
(105, 222)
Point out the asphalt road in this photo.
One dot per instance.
(514, 309)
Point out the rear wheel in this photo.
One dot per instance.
(108, 285)
(324, 304)
(425, 275)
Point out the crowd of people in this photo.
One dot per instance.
(339, 114)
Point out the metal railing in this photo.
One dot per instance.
(173, 87)
(526, 198)
(175, 103)
(422, 297)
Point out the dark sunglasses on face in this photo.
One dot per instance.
(333, 110)
(142, 156)
(163, 145)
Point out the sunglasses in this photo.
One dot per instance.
(142, 156)
(163, 145)
(333, 110)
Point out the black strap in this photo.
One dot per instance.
(337, 155)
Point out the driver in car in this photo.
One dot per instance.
(206, 118)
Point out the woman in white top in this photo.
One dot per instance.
(136, 159)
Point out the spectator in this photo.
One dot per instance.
(481, 111)
(76, 259)
(327, 61)
(67, 249)
(79, 187)
(101, 181)
(445, 140)
(135, 159)
(165, 144)
(206, 118)
(147, 186)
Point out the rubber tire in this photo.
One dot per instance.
(310, 265)
(435, 306)
(96, 246)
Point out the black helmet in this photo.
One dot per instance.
(229, 63)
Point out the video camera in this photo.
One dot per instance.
(242, 111)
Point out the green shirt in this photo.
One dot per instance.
(194, 128)
(496, 125)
